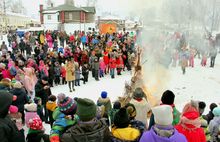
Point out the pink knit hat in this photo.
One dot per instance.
(13, 109)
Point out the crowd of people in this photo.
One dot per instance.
(83, 120)
(59, 58)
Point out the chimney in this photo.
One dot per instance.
(51, 5)
(41, 14)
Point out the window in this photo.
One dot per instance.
(49, 17)
(70, 16)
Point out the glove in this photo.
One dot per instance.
(55, 139)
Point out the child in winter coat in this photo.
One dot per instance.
(51, 106)
(57, 72)
(63, 74)
(105, 101)
(214, 126)
(102, 67)
(112, 66)
(38, 102)
(210, 115)
(121, 129)
(96, 69)
(16, 117)
(31, 112)
(77, 74)
(64, 116)
(85, 72)
(36, 131)
(120, 65)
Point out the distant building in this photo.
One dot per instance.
(110, 24)
(68, 17)
(13, 21)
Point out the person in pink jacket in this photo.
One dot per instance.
(43, 69)
(102, 67)
(30, 81)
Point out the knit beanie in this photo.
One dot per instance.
(138, 93)
(168, 97)
(31, 107)
(86, 109)
(35, 123)
(68, 106)
(121, 118)
(13, 109)
(117, 105)
(163, 115)
(216, 111)
(131, 110)
(104, 94)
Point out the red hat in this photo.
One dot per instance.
(35, 124)
(13, 109)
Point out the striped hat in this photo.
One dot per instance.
(68, 106)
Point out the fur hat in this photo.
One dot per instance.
(168, 97)
(138, 93)
(31, 107)
(216, 111)
(86, 109)
(161, 111)
(35, 123)
(17, 85)
(121, 118)
(104, 94)
(68, 106)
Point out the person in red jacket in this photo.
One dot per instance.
(106, 61)
(190, 124)
(63, 74)
(120, 64)
(112, 66)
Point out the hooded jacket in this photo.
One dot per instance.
(22, 98)
(152, 136)
(8, 130)
(94, 131)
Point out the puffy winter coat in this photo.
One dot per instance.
(106, 103)
(95, 131)
(151, 136)
(192, 133)
(214, 129)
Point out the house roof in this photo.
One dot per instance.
(66, 7)
(90, 9)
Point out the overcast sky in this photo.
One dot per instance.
(120, 7)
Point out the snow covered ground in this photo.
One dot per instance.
(199, 83)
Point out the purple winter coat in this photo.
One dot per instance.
(151, 136)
